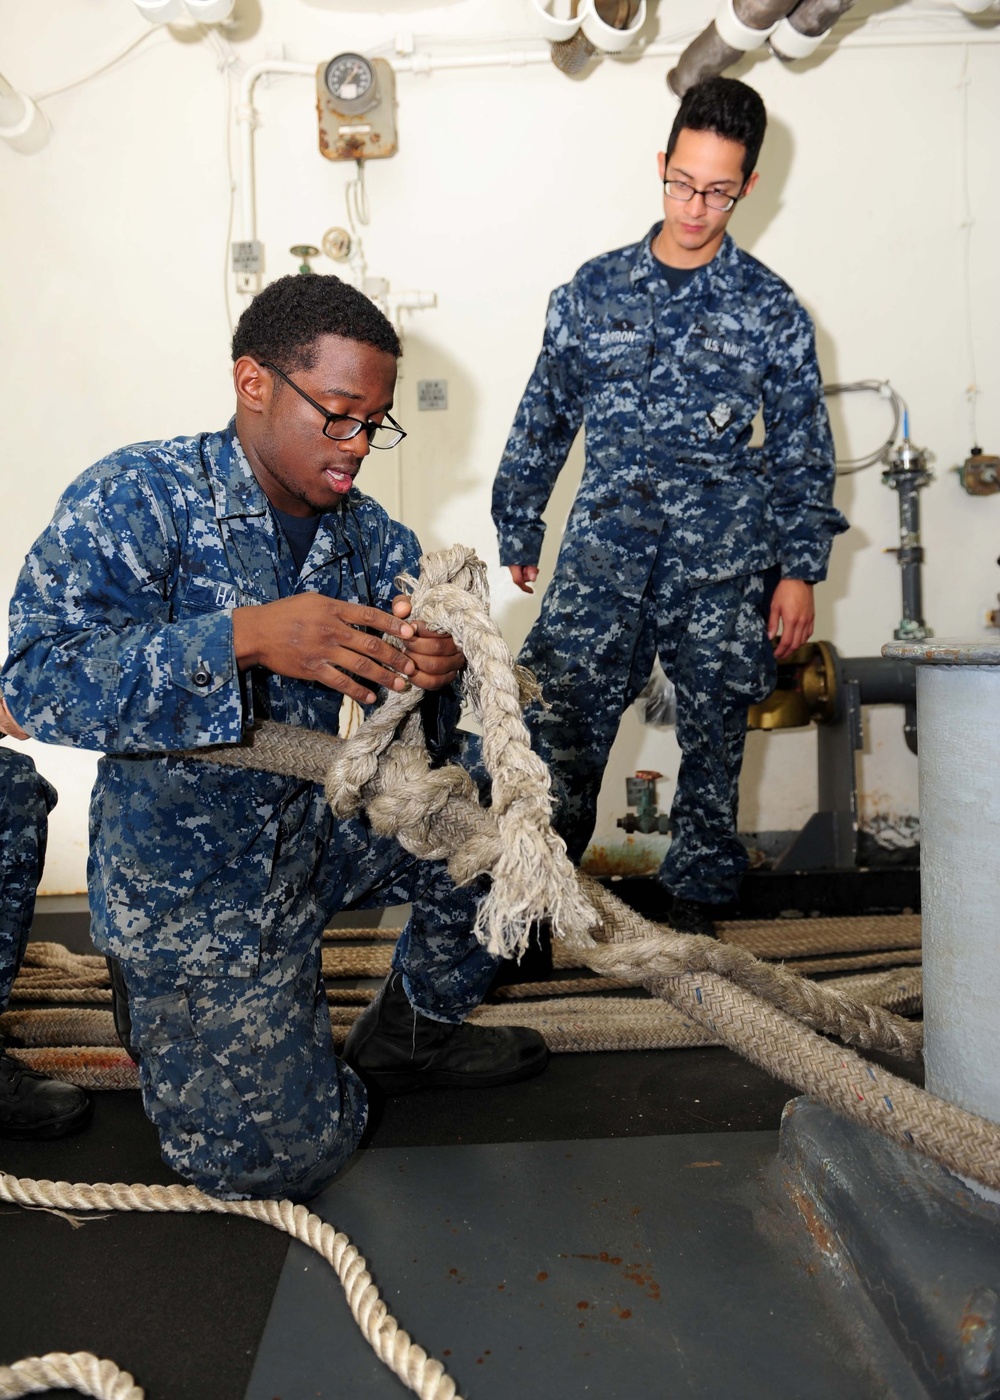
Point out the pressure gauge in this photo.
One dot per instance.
(356, 106)
(351, 81)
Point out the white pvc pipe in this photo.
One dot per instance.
(23, 125)
(732, 31)
(605, 37)
(789, 43)
(552, 26)
(11, 103)
(161, 11)
(958, 702)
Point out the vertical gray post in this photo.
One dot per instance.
(958, 714)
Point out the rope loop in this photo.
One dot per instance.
(392, 1345)
(60, 1370)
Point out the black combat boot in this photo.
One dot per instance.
(120, 1008)
(32, 1106)
(396, 1048)
(692, 916)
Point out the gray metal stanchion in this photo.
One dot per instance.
(911, 1240)
(958, 716)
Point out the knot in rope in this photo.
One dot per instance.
(427, 810)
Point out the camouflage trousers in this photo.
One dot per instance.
(25, 802)
(593, 649)
(239, 1075)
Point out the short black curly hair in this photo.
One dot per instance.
(728, 107)
(283, 322)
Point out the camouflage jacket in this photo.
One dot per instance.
(121, 640)
(667, 385)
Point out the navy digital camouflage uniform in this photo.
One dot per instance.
(674, 526)
(26, 799)
(212, 885)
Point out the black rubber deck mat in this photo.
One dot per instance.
(178, 1300)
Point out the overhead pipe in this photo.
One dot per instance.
(23, 125)
(791, 31)
(805, 28)
(738, 27)
(595, 26)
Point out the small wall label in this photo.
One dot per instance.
(432, 393)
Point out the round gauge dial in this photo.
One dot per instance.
(350, 80)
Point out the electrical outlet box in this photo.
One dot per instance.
(248, 256)
(432, 393)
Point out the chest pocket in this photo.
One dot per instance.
(721, 356)
(195, 596)
(618, 355)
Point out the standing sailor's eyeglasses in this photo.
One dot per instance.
(715, 199)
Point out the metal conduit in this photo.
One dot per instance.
(882, 680)
(739, 25)
(791, 31)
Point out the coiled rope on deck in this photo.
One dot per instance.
(60, 1370)
(380, 1329)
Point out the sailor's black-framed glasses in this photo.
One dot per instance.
(341, 426)
(714, 199)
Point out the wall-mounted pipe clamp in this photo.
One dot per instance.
(589, 27)
(556, 28)
(612, 38)
(180, 12)
(23, 124)
(732, 31)
(788, 43)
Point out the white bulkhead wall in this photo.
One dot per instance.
(115, 247)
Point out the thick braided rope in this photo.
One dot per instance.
(425, 1376)
(842, 963)
(60, 1370)
(88, 1067)
(573, 1021)
(644, 952)
(58, 1026)
(523, 890)
(781, 1045)
(786, 938)
(435, 814)
(652, 950)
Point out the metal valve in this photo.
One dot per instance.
(640, 792)
(305, 251)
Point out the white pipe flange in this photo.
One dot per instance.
(553, 27)
(604, 36)
(31, 130)
(209, 11)
(732, 31)
(789, 43)
(161, 11)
